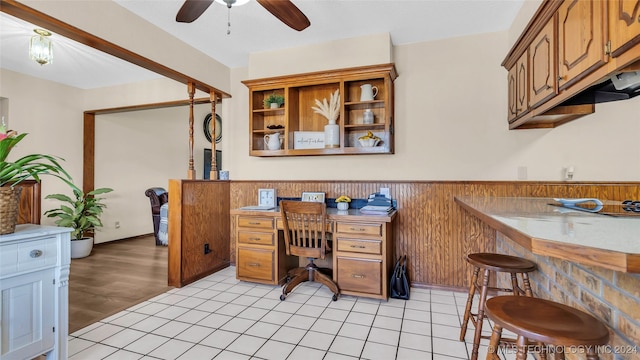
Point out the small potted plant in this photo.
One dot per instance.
(83, 215)
(343, 202)
(273, 101)
(12, 173)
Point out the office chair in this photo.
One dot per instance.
(305, 235)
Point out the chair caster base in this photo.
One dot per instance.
(282, 297)
(334, 297)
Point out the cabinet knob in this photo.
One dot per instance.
(35, 253)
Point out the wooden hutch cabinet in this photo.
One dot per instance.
(296, 117)
(572, 46)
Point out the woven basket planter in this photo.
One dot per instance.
(9, 203)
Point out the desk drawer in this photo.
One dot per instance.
(359, 275)
(360, 246)
(254, 222)
(259, 238)
(362, 229)
(28, 256)
(257, 264)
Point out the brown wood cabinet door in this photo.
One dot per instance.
(522, 82)
(542, 66)
(581, 39)
(624, 25)
(513, 89)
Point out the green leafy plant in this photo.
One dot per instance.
(83, 214)
(30, 166)
(273, 99)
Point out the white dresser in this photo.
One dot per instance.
(34, 293)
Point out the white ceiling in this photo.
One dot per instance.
(253, 29)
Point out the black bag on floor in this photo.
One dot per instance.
(399, 284)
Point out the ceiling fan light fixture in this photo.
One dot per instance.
(41, 47)
(229, 3)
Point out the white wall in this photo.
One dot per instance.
(450, 118)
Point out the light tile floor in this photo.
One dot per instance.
(223, 318)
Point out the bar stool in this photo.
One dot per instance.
(546, 322)
(491, 262)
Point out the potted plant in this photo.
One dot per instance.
(273, 101)
(82, 214)
(12, 173)
(343, 202)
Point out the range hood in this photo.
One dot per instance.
(622, 86)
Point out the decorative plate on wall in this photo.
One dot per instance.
(207, 127)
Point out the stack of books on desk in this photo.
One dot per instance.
(378, 204)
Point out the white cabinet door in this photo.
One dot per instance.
(27, 305)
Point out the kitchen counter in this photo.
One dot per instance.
(594, 239)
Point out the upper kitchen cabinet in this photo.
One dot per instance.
(581, 39)
(365, 109)
(519, 88)
(542, 60)
(574, 48)
(624, 25)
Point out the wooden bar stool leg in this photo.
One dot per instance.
(479, 319)
(514, 284)
(496, 334)
(521, 345)
(527, 285)
(467, 309)
(592, 354)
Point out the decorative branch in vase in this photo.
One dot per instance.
(331, 111)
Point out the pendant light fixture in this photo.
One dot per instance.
(40, 47)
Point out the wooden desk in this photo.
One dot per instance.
(362, 250)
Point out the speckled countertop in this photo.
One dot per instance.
(596, 239)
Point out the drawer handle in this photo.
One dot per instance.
(356, 229)
(35, 253)
(254, 239)
(254, 264)
(254, 223)
(358, 246)
(357, 276)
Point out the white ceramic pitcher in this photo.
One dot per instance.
(273, 141)
(368, 92)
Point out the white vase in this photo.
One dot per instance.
(343, 206)
(331, 135)
(81, 248)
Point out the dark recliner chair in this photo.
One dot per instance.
(157, 196)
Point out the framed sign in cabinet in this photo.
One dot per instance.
(365, 122)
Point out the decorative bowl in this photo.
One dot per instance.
(368, 142)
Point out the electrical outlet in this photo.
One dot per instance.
(117, 224)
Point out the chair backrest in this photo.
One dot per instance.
(304, 228)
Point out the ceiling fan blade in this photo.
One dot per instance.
(192, 9)
(287, 12)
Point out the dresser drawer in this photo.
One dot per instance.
(360, 246)
(259, 238)
(362, 229)
(359, 275)
(28, 256)
(255, 223)
(256, 264)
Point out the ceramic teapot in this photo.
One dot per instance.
(273, 141)
(368, 92)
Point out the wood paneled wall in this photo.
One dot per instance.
(431, 229)
(198, 216)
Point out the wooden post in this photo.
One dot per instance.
(191, 173)
(213, 174)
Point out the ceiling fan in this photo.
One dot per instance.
(284, 10)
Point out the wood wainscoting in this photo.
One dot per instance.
(431, 229)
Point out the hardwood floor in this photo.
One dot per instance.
(116, 275)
